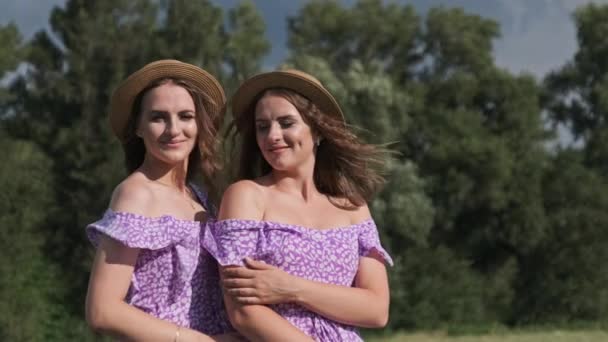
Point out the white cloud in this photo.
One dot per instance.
(539, 36)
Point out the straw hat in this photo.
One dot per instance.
(121, 104)
(292, 79)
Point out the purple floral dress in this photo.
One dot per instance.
(174, 278)
(328, 255)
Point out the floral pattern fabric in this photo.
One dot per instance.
(324, 255)
(174, 278)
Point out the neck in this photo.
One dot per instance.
(299, 181)
(173, 175)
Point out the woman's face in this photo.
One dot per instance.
(285, 140)
(167, 124)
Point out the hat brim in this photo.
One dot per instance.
(315, 92)
(121, 104)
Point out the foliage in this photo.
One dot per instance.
(488, 224)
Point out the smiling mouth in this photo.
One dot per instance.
(278, 149)
(172, 143)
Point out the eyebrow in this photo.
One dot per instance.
(287, 116)
(158, 111)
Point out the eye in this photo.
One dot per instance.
(156, 118)
(186, 116)
(286, 123)
(262, 126)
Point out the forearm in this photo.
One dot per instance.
(260, 323)
(349, 305)
(131, 324)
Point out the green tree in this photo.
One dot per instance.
(32, 288)
(230, 49)
(485, 223)
(577, 93)
(370, 31)
(246, 45)
(28, 285)
(194, 32)
(468, 179)
(480, 141)
(457, 41)
(565, 278)
(61, 106)
(333, 43)
(439, 292)
(10, 55)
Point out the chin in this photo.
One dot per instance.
(278, 166)
(174, 158)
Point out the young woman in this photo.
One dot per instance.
(317, 269)
(151, 280)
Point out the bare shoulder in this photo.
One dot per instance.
(360, 214)
(355, 214)
(133, 195)
(245, 188)
(244, 199)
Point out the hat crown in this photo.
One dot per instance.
(303, 74)
(296, 80)
(123, 97)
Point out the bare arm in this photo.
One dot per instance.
(111, 273)
(365, 305)
(256, 322)
(260, 323)
(106, 310)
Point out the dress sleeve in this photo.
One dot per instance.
(138, 231)
(369, 242)
(230, 241)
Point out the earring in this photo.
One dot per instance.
(318, 142)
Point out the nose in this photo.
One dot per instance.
(274, 132)
(172, 128)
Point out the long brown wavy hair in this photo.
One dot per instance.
(345, 167)
(204, 159)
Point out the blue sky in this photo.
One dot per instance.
(537, 35)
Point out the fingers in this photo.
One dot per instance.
(241, 292)
(244, 296)
(238, 272)
(230, 283)
(257, 265)
(248, 300)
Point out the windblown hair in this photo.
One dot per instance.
(345, 167)
(204, 159)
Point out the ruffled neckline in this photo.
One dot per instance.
(163, 218)
(276, 224)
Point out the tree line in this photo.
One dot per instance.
(490, 216)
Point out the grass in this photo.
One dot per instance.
(514, 336)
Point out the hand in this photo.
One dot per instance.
(259, 283)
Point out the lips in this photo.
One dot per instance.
(278, 149)
(176, 143)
